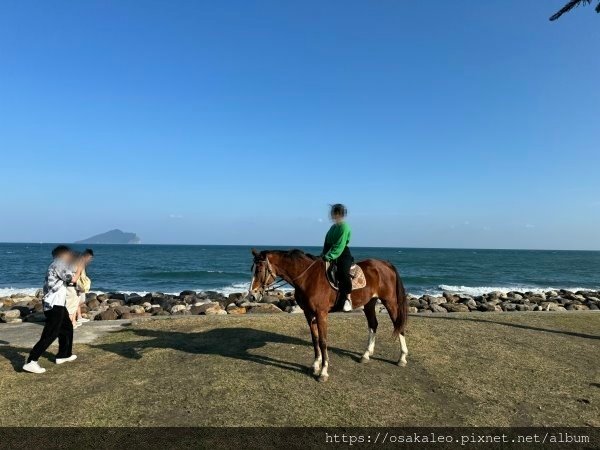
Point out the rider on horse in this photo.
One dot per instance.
(336, 250)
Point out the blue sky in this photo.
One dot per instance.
(439, 124)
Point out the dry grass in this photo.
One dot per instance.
(473, 369)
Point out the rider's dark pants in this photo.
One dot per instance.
(343, 263)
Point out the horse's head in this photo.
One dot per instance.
(263, 274)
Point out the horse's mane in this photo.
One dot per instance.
(294, 254)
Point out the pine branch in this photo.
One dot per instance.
(570, 5)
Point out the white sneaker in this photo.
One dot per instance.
(83, 320)
(33, 367)
(347, 306)
(64, 360)
(77, 325)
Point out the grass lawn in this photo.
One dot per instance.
(463, 369)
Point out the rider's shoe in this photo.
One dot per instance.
(347, 306)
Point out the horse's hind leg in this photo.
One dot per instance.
(394, 312)
(314, 333)
(371, 316)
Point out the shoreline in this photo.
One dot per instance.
(18, 308)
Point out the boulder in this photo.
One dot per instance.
(412, 310)
(117, 296)
(450, 298)
(10, 315)
(577, 308)
(270, 299)
(159, 312)
(39, 294)
(264, 308)
(235, 297)
(523, 307)
(93, 303)
(23, 310)
(509, 306)
(36, 317)
(210, 308)
(120, 310)
(177, 308)
(487, 307)
(469, 302)
(137, 309)
(295, 309)
(437, 308)
(437, 300)
(109, 314)
(186, 293)
(182, 312)
(90, 296)
(236, 310)
(455, 307)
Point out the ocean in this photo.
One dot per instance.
(174, 268)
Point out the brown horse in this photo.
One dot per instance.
(306, 273)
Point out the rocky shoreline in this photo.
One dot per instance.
(111, 306)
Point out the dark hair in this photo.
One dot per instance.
(60, 250)
(339, 210)
(88, 251)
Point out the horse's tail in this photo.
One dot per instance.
(402, 301)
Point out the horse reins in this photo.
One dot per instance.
(274, 285)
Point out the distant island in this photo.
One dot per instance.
(112, 237)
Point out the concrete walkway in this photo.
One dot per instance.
(27, 334)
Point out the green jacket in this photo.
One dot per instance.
(336, 240)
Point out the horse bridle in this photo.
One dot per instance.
(277, 280)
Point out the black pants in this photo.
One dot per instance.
(58, 325)
(343, 263)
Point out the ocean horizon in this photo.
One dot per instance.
(172, 268)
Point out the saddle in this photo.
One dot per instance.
(356, 275)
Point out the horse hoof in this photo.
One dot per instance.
(402, 363)
(323, 378)
(316, 372)
(364, 360)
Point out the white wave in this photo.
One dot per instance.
(7, 292)
(480, 290)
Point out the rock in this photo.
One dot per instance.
(23, 310)
(412, 310)
(414, 302)
(109, 314)
(15, 320)
(159, 312)
(270, 299)
(437, 308)
(177, 308)
(210, 308)
(295, 309)
(93, 303)
(137, 309)
(487, 307)
(36, 317)
(9, 315)
(236, 310)
(514, 295)
(186, 293)
(39, 294)
(425, 311)
(182, 312)
(455, 307)
(90, 296)
(509, 306)
(450, 298)
(577, 308)
(469, 302)
(264, 308)
(437, 300)
(523, 307)
(117, 296)
(120, 310)
(235, 297)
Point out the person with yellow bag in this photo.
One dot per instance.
(84, 284)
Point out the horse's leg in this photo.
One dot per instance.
(322, 327)
(404, 351)
(314, 333)
(369, 311)
(394, 313)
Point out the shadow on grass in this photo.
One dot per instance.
(235, 343)
(17, 356)
(517, 325)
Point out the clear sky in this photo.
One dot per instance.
(439, 124)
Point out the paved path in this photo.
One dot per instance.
(27, 334)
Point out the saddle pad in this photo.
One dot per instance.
(357, 275)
